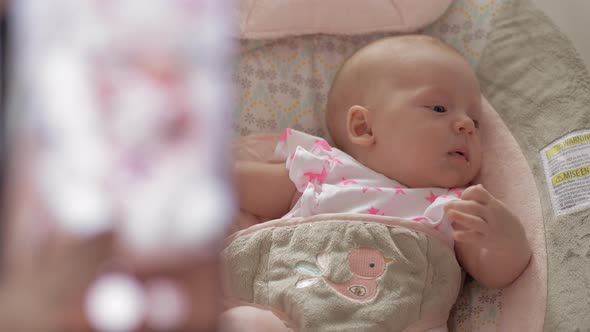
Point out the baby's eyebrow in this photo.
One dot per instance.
(431, 90)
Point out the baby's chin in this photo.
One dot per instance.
(454, 182)
(434, 178)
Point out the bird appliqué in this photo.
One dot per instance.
(365, 264)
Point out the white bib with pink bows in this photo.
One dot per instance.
(331, 181)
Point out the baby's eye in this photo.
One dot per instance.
(438, 108)
(476, 123)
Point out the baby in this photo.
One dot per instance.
(404, 115)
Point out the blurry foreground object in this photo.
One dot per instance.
(120, 116)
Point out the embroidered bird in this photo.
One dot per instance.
(366, 266)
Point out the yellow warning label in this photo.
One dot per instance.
(571, 174)
(579, 139)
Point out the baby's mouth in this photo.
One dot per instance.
(460, 153)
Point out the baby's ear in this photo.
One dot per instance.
(358, 126)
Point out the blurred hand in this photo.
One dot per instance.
(47, 294)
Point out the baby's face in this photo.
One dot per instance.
(426, 126)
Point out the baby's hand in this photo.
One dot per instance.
(491, 244)
(480, 217)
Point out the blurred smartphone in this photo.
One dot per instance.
(122, 110)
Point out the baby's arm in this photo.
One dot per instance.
(490, 241)
(264, 189)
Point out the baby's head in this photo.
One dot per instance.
(408, 107)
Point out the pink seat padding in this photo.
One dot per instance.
(260, 19)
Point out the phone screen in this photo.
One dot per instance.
(123, 109)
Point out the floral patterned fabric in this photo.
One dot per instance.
(283, 83)
(476, 309)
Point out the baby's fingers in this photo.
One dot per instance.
(467, 236)
(467, 207)
(469, 222)
(477, 193)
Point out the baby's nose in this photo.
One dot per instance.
(464, 125)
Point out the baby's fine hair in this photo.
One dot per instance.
(338, 102)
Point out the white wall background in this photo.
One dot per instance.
(573, 18)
